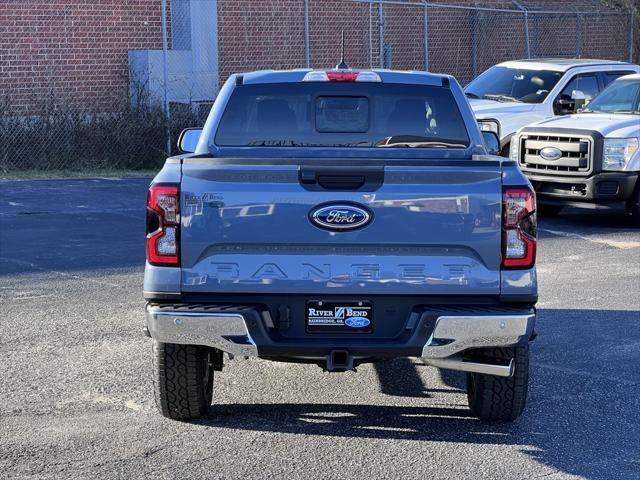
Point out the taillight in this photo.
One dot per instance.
(163, 225)
(519, 227)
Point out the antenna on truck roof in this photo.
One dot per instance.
(342, 65)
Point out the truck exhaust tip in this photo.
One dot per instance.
(457, 363)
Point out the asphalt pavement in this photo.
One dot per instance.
(75, 371)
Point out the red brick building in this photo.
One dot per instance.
(85, 53)
(72, 49)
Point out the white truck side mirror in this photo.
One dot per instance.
(579, 99)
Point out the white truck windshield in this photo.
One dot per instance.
(504, 84)
(622, 96)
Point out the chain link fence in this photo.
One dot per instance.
(167, 79)
(464, 40)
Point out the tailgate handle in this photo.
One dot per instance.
(341, 182)
(341, 178)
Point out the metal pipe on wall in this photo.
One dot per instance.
(425, 19)
(165, 72)
(307, 52)
(632, 25)
(381, 33)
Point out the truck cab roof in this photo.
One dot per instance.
(632, 76)
(560, 64)
(386, 76)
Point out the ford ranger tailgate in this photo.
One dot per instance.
(248, 227)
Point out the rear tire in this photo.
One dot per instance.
(500, 398)
(182, 380)
(546, 210)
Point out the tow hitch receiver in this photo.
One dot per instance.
(339, 361)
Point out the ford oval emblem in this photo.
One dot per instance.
(340, 216)
(551, 153)
(357, 322)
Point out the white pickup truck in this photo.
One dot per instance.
(514, 94)
(590, 159)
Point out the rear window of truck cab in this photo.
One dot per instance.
(355, 114)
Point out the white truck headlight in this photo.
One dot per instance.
(490, 126)
(513, 153)
(617, 152)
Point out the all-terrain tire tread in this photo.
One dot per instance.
(500, 398)
(178, 376)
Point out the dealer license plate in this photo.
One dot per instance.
(339, 317)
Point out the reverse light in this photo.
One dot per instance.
(617, 152)
(519, 227)
(163, 230)
(341, 76)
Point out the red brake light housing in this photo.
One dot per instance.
(163, 225)
(342, 76)
(519, 227)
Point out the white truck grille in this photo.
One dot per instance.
(573, 154)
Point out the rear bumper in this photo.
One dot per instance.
(605, 189)
(431, 333)
(224, 330)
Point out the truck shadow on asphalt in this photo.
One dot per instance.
(582, 220)
(581, 417)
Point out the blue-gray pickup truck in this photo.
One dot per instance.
(338, 217)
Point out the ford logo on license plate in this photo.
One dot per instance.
(357, 322)
(340, 216)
